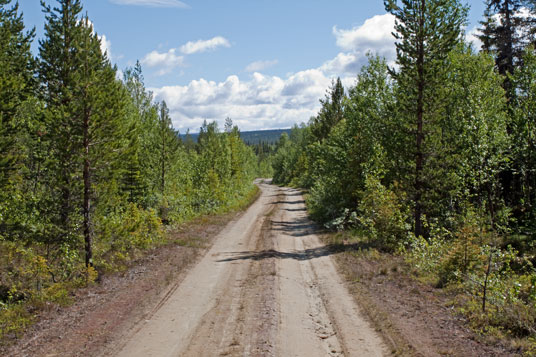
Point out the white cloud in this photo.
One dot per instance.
(374, 36)
(152, 3)
(166, 61)
(263, 101)
(204, 45)
(260, 65)
(344, 63)
(471, 37)
(375, 33)
(260, 102)
(106, 46)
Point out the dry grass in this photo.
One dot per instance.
(414, 318)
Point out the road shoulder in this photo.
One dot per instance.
(414, 318)
(105, 312)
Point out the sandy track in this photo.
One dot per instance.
(266, 287)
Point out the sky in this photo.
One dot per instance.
(263, 63)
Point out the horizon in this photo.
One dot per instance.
(210, 60)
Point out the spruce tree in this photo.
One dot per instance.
(169, 144)
(331, 112)
(502, 34)
(58, 74)
(487, 30)
(426, 31)
(144, 119)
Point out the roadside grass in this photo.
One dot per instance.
(28, 273)
(382, 281)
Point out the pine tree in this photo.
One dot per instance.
(85, 104)
(17, 90)
(426, 31)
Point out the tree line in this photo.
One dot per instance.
(91, 169)
(434, 157)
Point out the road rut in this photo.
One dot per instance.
(267, 287)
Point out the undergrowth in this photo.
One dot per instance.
(33, 279)
(493, 283)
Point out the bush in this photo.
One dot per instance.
(381, 215)
(23, 272)
(425, 254)
(463, 254)
(124, 233)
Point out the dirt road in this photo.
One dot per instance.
(266, 287)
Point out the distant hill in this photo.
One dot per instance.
(254, 137)
(266, 136)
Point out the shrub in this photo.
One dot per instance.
(122, 234)
(463, 254)
(382, 216)
(23, 272)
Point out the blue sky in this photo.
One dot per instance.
(264, 63)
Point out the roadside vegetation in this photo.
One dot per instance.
(434, 159)
(92, 173)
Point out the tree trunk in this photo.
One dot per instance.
(163, 183)
(419, 157)
(87, 192)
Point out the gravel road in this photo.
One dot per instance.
(267, 287)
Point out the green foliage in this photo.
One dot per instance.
(524, 139)
(381, 215)
(13, 320)
(18, 107)
(331, 112)
(91, 169)
(23, 272)
(470, 140)
(426, 32)
(497, 287)
(425, 254)
(124, 233)
(438, 138)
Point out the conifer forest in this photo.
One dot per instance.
(431, 159)
(91, 170)
(434, 158)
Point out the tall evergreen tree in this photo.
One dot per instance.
(169, 144)
(85, 105)
(17, 88)
(57, 73)
(502, 34)
(488, 29)
(426, 31)
(331, 112)
(144, 169)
